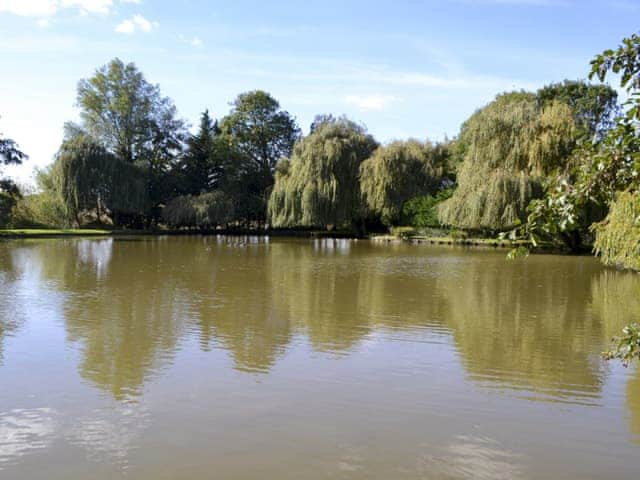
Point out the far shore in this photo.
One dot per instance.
(26, 233)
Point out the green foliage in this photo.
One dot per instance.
(320, 120)
(40, 210)
(89, 177)
(9, 193)
(508, 148)
(594, 106)
(10, 153)
(202, 166)
(260, 130)
(403, 232)
(625, 61)
(604, 174)
(627, 346)
(518, 252)
(422, 212)
(126, 114)
(582, 193)
(618, 236)
(319, 186)
(7, 203)
(208, 210)
(257, 133)
(398, 172)
(43, 209)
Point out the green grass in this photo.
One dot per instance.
(38, 232)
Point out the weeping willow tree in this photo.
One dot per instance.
(398, 172)
(89, 178)
(208, 210)
(319, 186)
(508, 148)
(618, 236)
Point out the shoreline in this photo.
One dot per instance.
(474, 242)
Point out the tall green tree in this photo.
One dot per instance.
(397, 172)
(125, 113)
(320, 186)
(257, 133)
(202, 164)
(128, 116)
(260, 130)
(508, 148)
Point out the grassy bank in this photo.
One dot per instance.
(35, 232)
(45, 233)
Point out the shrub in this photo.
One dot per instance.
(421, 211)
(39, 210)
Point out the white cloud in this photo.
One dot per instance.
(29, 8)
(136, 23)
(370, 102)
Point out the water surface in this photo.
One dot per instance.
(250, 358)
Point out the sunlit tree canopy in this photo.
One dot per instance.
(508, 148)
(398, 172)
(319, 186)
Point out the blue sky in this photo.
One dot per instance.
(403, 68)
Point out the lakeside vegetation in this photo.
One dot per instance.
(47, 232)
(130, 163)
(559, 166)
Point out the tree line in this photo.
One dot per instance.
(558, 165)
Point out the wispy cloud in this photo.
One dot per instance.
(370, 102)
(137, 23)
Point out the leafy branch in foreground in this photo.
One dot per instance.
(627, 346)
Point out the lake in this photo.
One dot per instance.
(251, 358)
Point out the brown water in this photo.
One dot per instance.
(175, 358)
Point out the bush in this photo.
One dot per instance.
(39, 210)
(420, 212)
